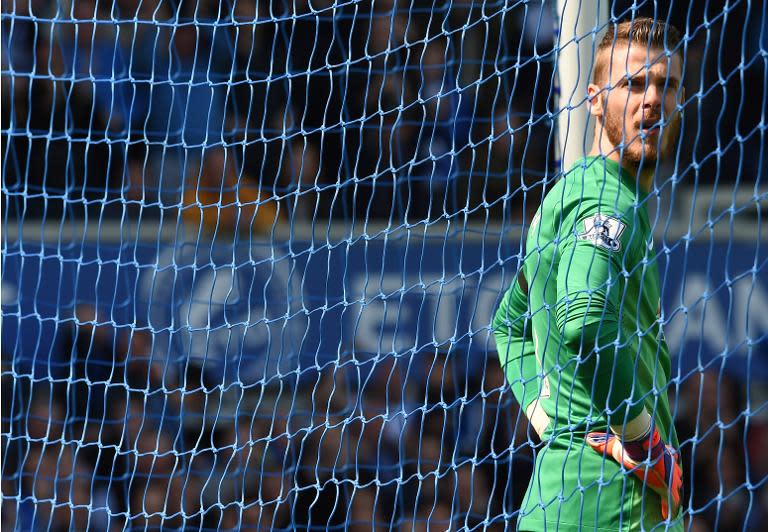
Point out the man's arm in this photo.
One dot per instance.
(588, 317)
(512, 328)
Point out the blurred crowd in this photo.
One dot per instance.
(425, 441)
(354, 112)
(242, 114)
(128, 441)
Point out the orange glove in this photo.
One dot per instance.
(653, 462)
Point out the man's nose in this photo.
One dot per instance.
(653, 96)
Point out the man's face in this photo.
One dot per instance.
(637, 105)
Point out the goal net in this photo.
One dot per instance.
(251, 254)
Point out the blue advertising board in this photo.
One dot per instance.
(270, 310)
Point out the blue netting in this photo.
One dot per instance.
(251, 252)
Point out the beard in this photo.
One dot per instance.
(641, 150)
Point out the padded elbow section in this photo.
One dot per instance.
(608, 372)
(579, 337)
(594, 366)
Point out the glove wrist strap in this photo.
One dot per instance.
(634, 429)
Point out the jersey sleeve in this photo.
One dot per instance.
(594, 252)
(514, 344)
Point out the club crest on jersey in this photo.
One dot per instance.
(603, 231)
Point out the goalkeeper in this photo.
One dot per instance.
(579, 334)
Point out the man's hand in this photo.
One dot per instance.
(650, 460)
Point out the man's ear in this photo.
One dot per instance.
(595, 100)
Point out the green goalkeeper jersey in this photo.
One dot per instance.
(579, 337)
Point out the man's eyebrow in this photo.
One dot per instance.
(642, 77)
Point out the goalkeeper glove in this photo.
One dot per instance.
(650, 460)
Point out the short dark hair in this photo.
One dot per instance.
(642, 30)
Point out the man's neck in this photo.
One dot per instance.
(644, 177)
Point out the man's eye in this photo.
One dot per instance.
(668, 85)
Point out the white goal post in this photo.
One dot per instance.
(580, 25)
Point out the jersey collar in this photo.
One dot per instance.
(615, 170)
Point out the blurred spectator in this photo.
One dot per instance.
(380, 153)
(434, 515)
(93, 59)
(713, 451)
(223, 201)
(91, 346)
(299, 179)
(365, 510)
(443, 126)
